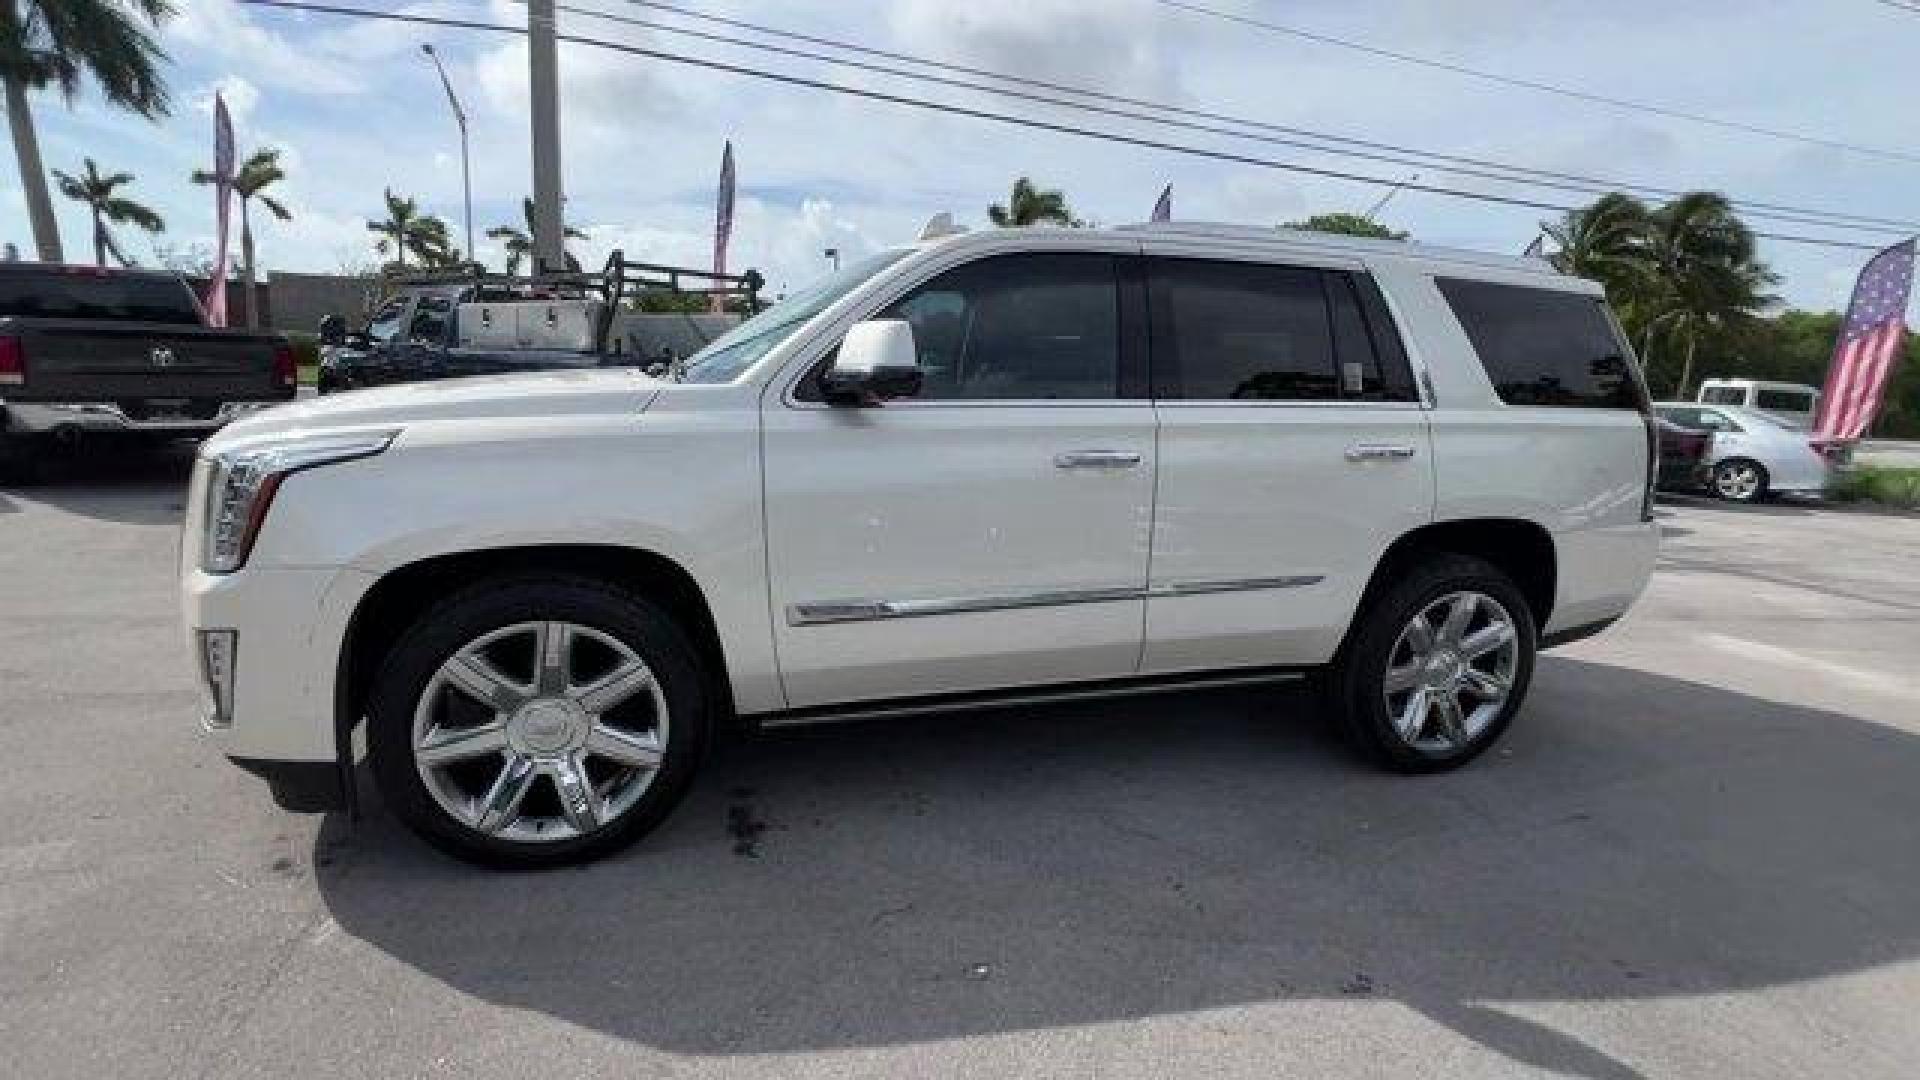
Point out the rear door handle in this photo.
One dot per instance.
(1096, 459)
(1378, 452)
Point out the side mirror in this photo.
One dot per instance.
(333, 330)
(877, 361)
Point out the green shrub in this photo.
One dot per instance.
(1879, 484)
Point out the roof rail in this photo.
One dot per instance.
(1339, 242)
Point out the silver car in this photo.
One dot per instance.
(1754, 454)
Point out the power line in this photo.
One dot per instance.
(1393, 154)
(1530, 84)
(978, 114)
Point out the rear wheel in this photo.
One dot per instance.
(537, 721)
(1740, 480)
(1438, 665)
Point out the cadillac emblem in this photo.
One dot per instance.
(161, 357)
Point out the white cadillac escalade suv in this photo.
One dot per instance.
(987, 467)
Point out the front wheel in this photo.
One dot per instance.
(1740, 480)
(1438, 665)
(537, 721)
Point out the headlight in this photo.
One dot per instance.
(241, 483)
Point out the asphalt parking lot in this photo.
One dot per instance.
(1698, 854)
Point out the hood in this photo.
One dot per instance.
(525, 394)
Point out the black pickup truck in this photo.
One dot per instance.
(88, 352)
(464, 323)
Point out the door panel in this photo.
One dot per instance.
(925, 548)
(1278, 511)
(1293, 451)
(992, 532)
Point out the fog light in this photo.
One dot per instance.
(217, 649)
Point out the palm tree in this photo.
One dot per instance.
(405, 229)
(97, 192)
(519, 242)
(57, 42)
(260, 171)
(1028, 205)
(1605, 241)
(1708, 276)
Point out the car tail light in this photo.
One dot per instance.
(13, 362)
(285, 371)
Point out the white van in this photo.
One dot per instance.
(982, 469)
(1791, 402)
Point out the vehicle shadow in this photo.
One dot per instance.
(131, 483)
(1637, 837)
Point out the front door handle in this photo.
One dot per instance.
(1096, 459)
(1378, 452)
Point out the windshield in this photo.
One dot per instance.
(386, 322)
(739, 348)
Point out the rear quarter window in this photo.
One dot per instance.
(1545, 347)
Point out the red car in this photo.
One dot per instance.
(1686, 457)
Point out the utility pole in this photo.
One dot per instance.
(549, 254)
(460, 117)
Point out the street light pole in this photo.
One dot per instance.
(1391, 192)
(459, 117)
(543, 70)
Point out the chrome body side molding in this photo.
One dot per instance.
(844, 611)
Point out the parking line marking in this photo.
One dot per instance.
(1774, 654)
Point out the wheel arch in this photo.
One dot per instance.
(394, 601)
(1524, 550)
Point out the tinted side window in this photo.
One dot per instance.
(1025, 326)
(1785, 400)
(1366, 342)
(1724, 395)
(1240, 331)
(1545, 347)
(430, 320)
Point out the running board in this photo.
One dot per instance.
(1027, 695)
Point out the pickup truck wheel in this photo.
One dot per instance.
(537, 721)
(19, 459)
(1438, 666)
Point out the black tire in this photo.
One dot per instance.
(1723, 486)
(635, 622)
(1357, 680)
(19, 460)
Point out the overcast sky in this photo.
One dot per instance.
(356, 107)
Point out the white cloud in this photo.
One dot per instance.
(241, 97)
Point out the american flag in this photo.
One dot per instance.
(1870, 343)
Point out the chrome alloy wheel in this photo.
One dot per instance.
(540, 731)
(1737, 480)
(1451, 671)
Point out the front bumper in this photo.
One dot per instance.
(102, 417)
(290, 624)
